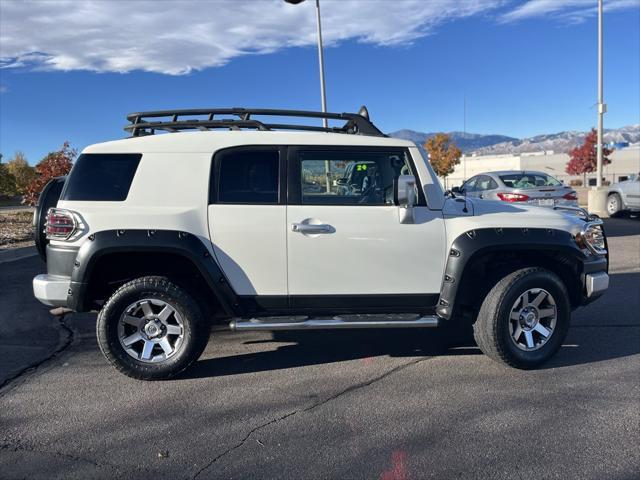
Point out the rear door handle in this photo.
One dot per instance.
(311, 229)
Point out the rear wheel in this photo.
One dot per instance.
(614, 204)
(524, 318)
(151, 329)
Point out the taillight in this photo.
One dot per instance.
(570, 196)
(513, 197)
(60, 225)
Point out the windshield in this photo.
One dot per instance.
(529, 180)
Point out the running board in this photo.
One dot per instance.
(353, 321)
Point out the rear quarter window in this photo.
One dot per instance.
(101, 177)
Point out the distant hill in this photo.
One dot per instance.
(465, 141)
(560, 142)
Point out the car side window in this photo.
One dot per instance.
(470, 185)
(350, 177)
(492, 184)
(484, 183)
(246, 176)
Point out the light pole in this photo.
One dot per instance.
(597, 195)
(602, 107)
(323, 93)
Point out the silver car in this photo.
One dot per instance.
(624, 196)
(535, 188)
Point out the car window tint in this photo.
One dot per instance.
(248, 176)
(350, 177)
(529, 180)
(101, 177)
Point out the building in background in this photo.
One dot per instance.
(624, 162)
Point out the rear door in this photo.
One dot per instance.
(247, 220)
(347, 247)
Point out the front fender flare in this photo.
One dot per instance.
(474, 243)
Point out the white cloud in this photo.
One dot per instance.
(175, 37)
(565, 10)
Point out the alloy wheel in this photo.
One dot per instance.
(151, 330)
(532, 319)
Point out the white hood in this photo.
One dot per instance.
(495, 214)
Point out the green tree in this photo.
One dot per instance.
(7, 182)
(444, 155)
(23, 173)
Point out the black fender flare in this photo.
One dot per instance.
(474, 243)
(153, 241)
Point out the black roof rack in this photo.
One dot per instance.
(146, 123)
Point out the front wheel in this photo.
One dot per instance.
(151, 329)
(524, 318)
(614, 204)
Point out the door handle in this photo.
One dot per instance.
(311, 229)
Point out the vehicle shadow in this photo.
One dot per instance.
(584, 344)
(622, 226)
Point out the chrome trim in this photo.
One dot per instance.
(79, 225)
(596, 284)
(330, 323)
(587, 216)
(50, 290)
(311, 229)
(596, 222)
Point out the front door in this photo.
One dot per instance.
(345, 243)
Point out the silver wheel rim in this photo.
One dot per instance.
(612, 205)
(532, 320)
(151, 330)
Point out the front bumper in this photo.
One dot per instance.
(51, 290)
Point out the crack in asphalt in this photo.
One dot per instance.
(66, 342)
(308, 409)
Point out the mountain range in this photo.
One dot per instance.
(560, 142)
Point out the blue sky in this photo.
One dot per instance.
(525, 67)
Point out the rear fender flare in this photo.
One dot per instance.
(153, 241)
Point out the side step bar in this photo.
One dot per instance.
(330, 323)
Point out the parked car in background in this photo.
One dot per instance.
(534, 188)
(624, 196)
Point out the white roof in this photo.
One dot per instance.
(214, 140)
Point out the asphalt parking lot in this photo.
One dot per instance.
(374, 405)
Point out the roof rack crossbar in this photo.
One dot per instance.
(144, 123)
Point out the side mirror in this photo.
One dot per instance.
(456, 190)
(341, 181)
(406, 196)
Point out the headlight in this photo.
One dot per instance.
(592, 237)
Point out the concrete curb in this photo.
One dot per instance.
(14, 254)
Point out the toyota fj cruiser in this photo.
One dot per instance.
(328, 227)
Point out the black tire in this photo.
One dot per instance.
(492, 327)
(47, 199)
(195, 330)
(614, 205)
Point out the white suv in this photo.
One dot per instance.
(255, 225)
